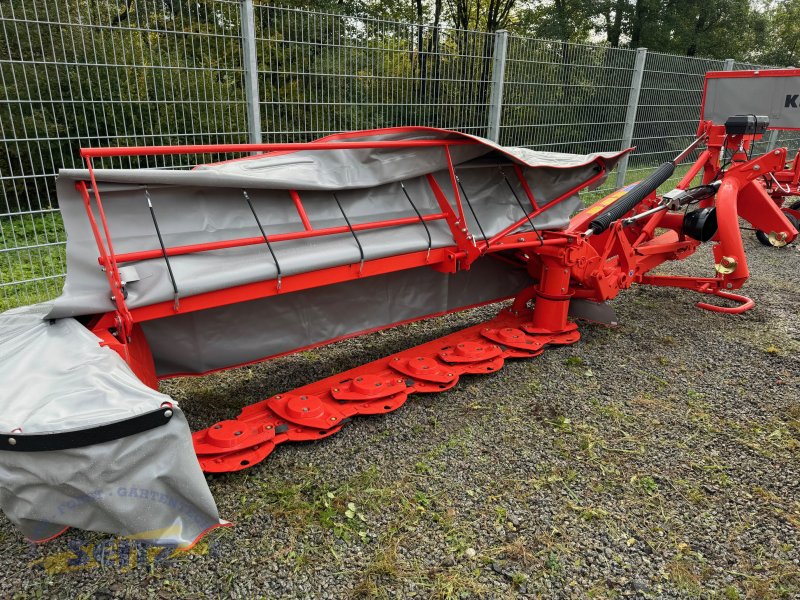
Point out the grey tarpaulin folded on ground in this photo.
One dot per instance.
(57, 378)
(207, 204)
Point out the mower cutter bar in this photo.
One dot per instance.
(322, 408)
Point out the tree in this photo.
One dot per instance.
(781, 32)
(473, 14)
(563, 20)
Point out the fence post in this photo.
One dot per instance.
(773, 139)
(728, 65)
(250, 64)
(498, 78)
(630, 114)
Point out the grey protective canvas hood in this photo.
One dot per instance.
(208, 204)
(56, 378)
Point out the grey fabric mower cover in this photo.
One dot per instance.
(207, 204)
(56, 378)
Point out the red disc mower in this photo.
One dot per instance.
(290, 246)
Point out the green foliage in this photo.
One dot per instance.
(708, 28)
(781, 34)
(32, 264)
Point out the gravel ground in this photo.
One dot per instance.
(654, 460)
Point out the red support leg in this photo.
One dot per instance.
(549, 321)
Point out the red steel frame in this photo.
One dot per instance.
(786, 184)
(562, 265)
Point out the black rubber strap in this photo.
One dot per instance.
(522, 208)
(177, 296)
(264, 235)
(350, 227)
(421, 220)
(79, 438)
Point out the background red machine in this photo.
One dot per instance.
(773, 93)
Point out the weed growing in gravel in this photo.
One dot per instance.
(383, 568)
(455, 583)
(561, 424)
(646, 484)
(681, 572)
(519, 579)
(731, 593)
(553, 565)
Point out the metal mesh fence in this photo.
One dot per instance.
(565, 97)
(110, 72)
(668, 112)
(88, 73)
(324, 73)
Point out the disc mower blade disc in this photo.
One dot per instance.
(514, 353)
(470, 352)
(424, 368)
(513, 338)
(369, 387)
(426, 387)
(481, 368)
(298, 433)
(383, 405)
(561, 338)
(229, 435)
(235, 461)
(308, 410)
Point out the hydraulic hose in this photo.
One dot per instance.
(639, 192)
(634, 196)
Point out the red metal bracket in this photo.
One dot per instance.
(745, 303)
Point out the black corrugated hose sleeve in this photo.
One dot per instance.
(628, 202)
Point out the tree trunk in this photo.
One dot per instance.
(639, 15)
(699, 28)
(615, 28)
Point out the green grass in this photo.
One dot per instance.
(27, 264)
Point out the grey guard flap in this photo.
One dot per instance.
(765, 93)
(56, 378)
